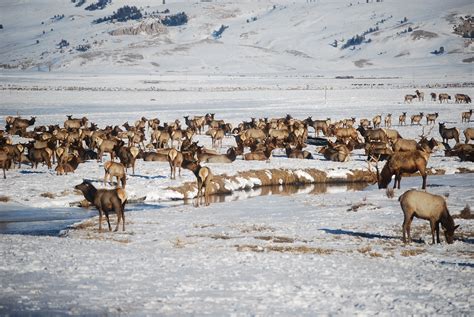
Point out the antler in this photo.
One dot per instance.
(423, 136)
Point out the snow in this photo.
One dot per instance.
(319, 249)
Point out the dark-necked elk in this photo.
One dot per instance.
(448, 133)
(335, 152)
(68, 165)
(409, 98)
(444, 97)
(372, 135)
(433, 96)
(430, 207)
(416, 118)
(318, 125)
(5, 161)
(464, 151)
(108, 146)
(376, 121)
(203, 177)
(344, 134)
(388, 120)
(128, 156)
(114, 169)
(175, 159)
(297, 152)
(403, 162)
(40, 156)
(229, 157)
(469, 134)
(431, 118)
(19, 125)
(71, 123)
(466, 116)
(260, 155)
(462, 98)
(420, 95)
(402, 119)
(105, 200)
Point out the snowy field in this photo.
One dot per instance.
(338, 252)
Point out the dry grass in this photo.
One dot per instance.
(390, 192)
(365, 250)
(465, 213)
(4, 199)
(412, 252)
(48, 195)
(255, 228)
(284, 249)
(276, 239)
(178, 243)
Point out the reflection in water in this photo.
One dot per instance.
(49, 221)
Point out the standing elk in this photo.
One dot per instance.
(114, 169)
(466, 116)
(469, 134)
(71, 123)
(175, 159)
(430, 207)
(402, 119)
(462, 98)
(128, 156)
(431, 118)
(377, 120)
(5, 161)
(409, 98)
(105, 200)
(420, 95)
(203, 177)
(448, 133)
(444, 97)
(433, 96)
(403, 162)
(388, 120)
(416, 118)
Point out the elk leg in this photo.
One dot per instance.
(433, 229)
(123, 219)
(424, 181)
(108, 220)
(100, 220)
(404, 228)
(408, 227)
(437, 232)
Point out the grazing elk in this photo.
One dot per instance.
(420, 95)
(444, 97)
(203, 177)
(430, 207)
(416, 118)
(403, 162)
(105, 200)
(462, 98)
(402, 119)
(409, 98)
(431, 118)
(114, 169)
(466, 116)
(448, 133)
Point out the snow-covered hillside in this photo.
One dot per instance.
(284, 37)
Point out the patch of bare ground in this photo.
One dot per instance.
(48, 195)
(276, 239)
(298, 53)
(412, 252)
(465, 213)
(468, 60)
(284, 249)
(4, 199)
(254, 228)
(421, 34)
(356, 206)
(362, 63)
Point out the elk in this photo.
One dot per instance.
(433, 96)
(403, 162)
(404, 145)
(464, 151)
(175, 159)
(420, 95)
(335, 152)
(447, 134)
(371, 135)
(466, 116)
(40, 155)
(430, 207)
(128, 156)
(114, 169)
(318, 125)
(260, 155)
(462, 98)
(392, 135)
(377, 120)
(203, 177)
(15, 152)
(297, 152)
(431, 118)
(71, 123)
(409, 98)
(388, 120)
(469, 134)
(105, 200)
(5, 161)
(229, 157)
(19, 124)
(416, 118)
(346, 133)
(365, 123)
(402, 119)
(444, 97)
(108, 146)
(69, 166)
(217, 135)
(379, 151)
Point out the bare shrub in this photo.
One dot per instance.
(4, 199)
(48, 195)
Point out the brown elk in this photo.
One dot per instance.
(335, 152)
(15, 152)
(420, 95)
(5, 161)
(464, 151)
(388, 120)
(105, 200)
(430, 207)
(431, 118)
(403, 162)
(346, 133)
(108, 146)
(404, 145)
(20, 125)
(260, 155)
(416, 118)
(377, 120)
(447, 134)
(371, 135)
(128, 156)
(365, 123)
(298, 152)
(402, 119)
(469, 134)
(409, 98)
(71, 123)
(462, 98)
(392, 135)
(203, 177)
(378, 151)
(217, 135)
(318, 125)
(69, 165)
(175, 159)
(466, 116)
(433, 96)
(40, 155)
(229, 157)
(114, 169)
(444, 97)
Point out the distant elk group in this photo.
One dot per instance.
(442, 97)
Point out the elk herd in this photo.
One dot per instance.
(79, 140)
